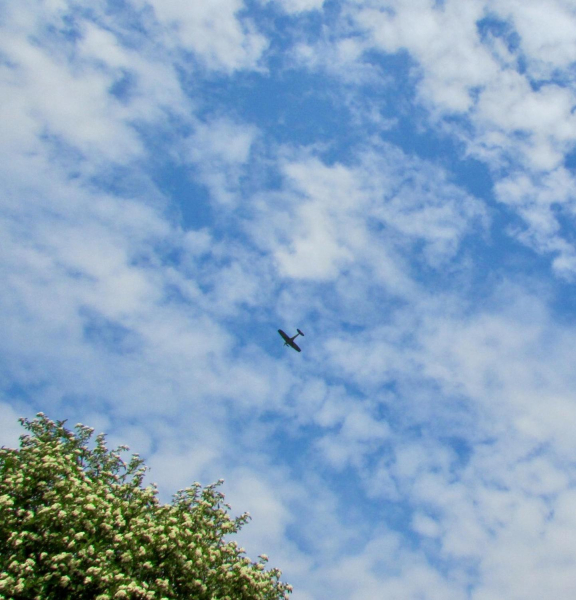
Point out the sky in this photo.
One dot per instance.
(179, 180)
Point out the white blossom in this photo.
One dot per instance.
(76, 545)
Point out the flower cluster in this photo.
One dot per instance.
(76, 522)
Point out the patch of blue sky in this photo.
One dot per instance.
(462, 448)
(114, 337)
(254, 330)
(293, 107)
(189, 198)
(269, 104)
(131, 25)
(400, 71)
(124, 87)
(570, 159)
(119, 180)
(496, 255)
(282, 27)
(493, 250)
(564, 217)
(65, 155)
(495, 27)
(359, 506)
(23, 393)
(412, 129)
(330, 309)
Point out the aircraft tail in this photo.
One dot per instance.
(299, 331)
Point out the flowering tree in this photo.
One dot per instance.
(76, 522)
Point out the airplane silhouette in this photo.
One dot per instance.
(290, 340)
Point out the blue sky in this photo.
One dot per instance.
(179, 180)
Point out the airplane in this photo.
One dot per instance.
(290, 340)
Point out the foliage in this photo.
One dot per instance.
(76, 522)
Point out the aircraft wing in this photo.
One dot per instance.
(289, 341)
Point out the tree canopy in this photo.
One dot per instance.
(77, 522)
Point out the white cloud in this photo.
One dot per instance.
(49, 100)
(546, 203)
(387, 569)
(360, 435)
(176, 469)
(546, 32)
(491, 519)
(220, 148)
(341, 58)
(58, 88)
(300, 6)
(152, 81)
(515, 94)
(10, 430)
(500, 380)
(518, 368)
(266, 502)
(424, 525)
(443, 40)
(369, 213)
(543, 117)
(213, 31)
(87, 304)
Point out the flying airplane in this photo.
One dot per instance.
(290, 340)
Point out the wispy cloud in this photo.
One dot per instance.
(494, 74)
(369, 214)
(214, 31)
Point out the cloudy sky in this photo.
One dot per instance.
(181, 179)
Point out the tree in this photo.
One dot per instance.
(76, 522)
